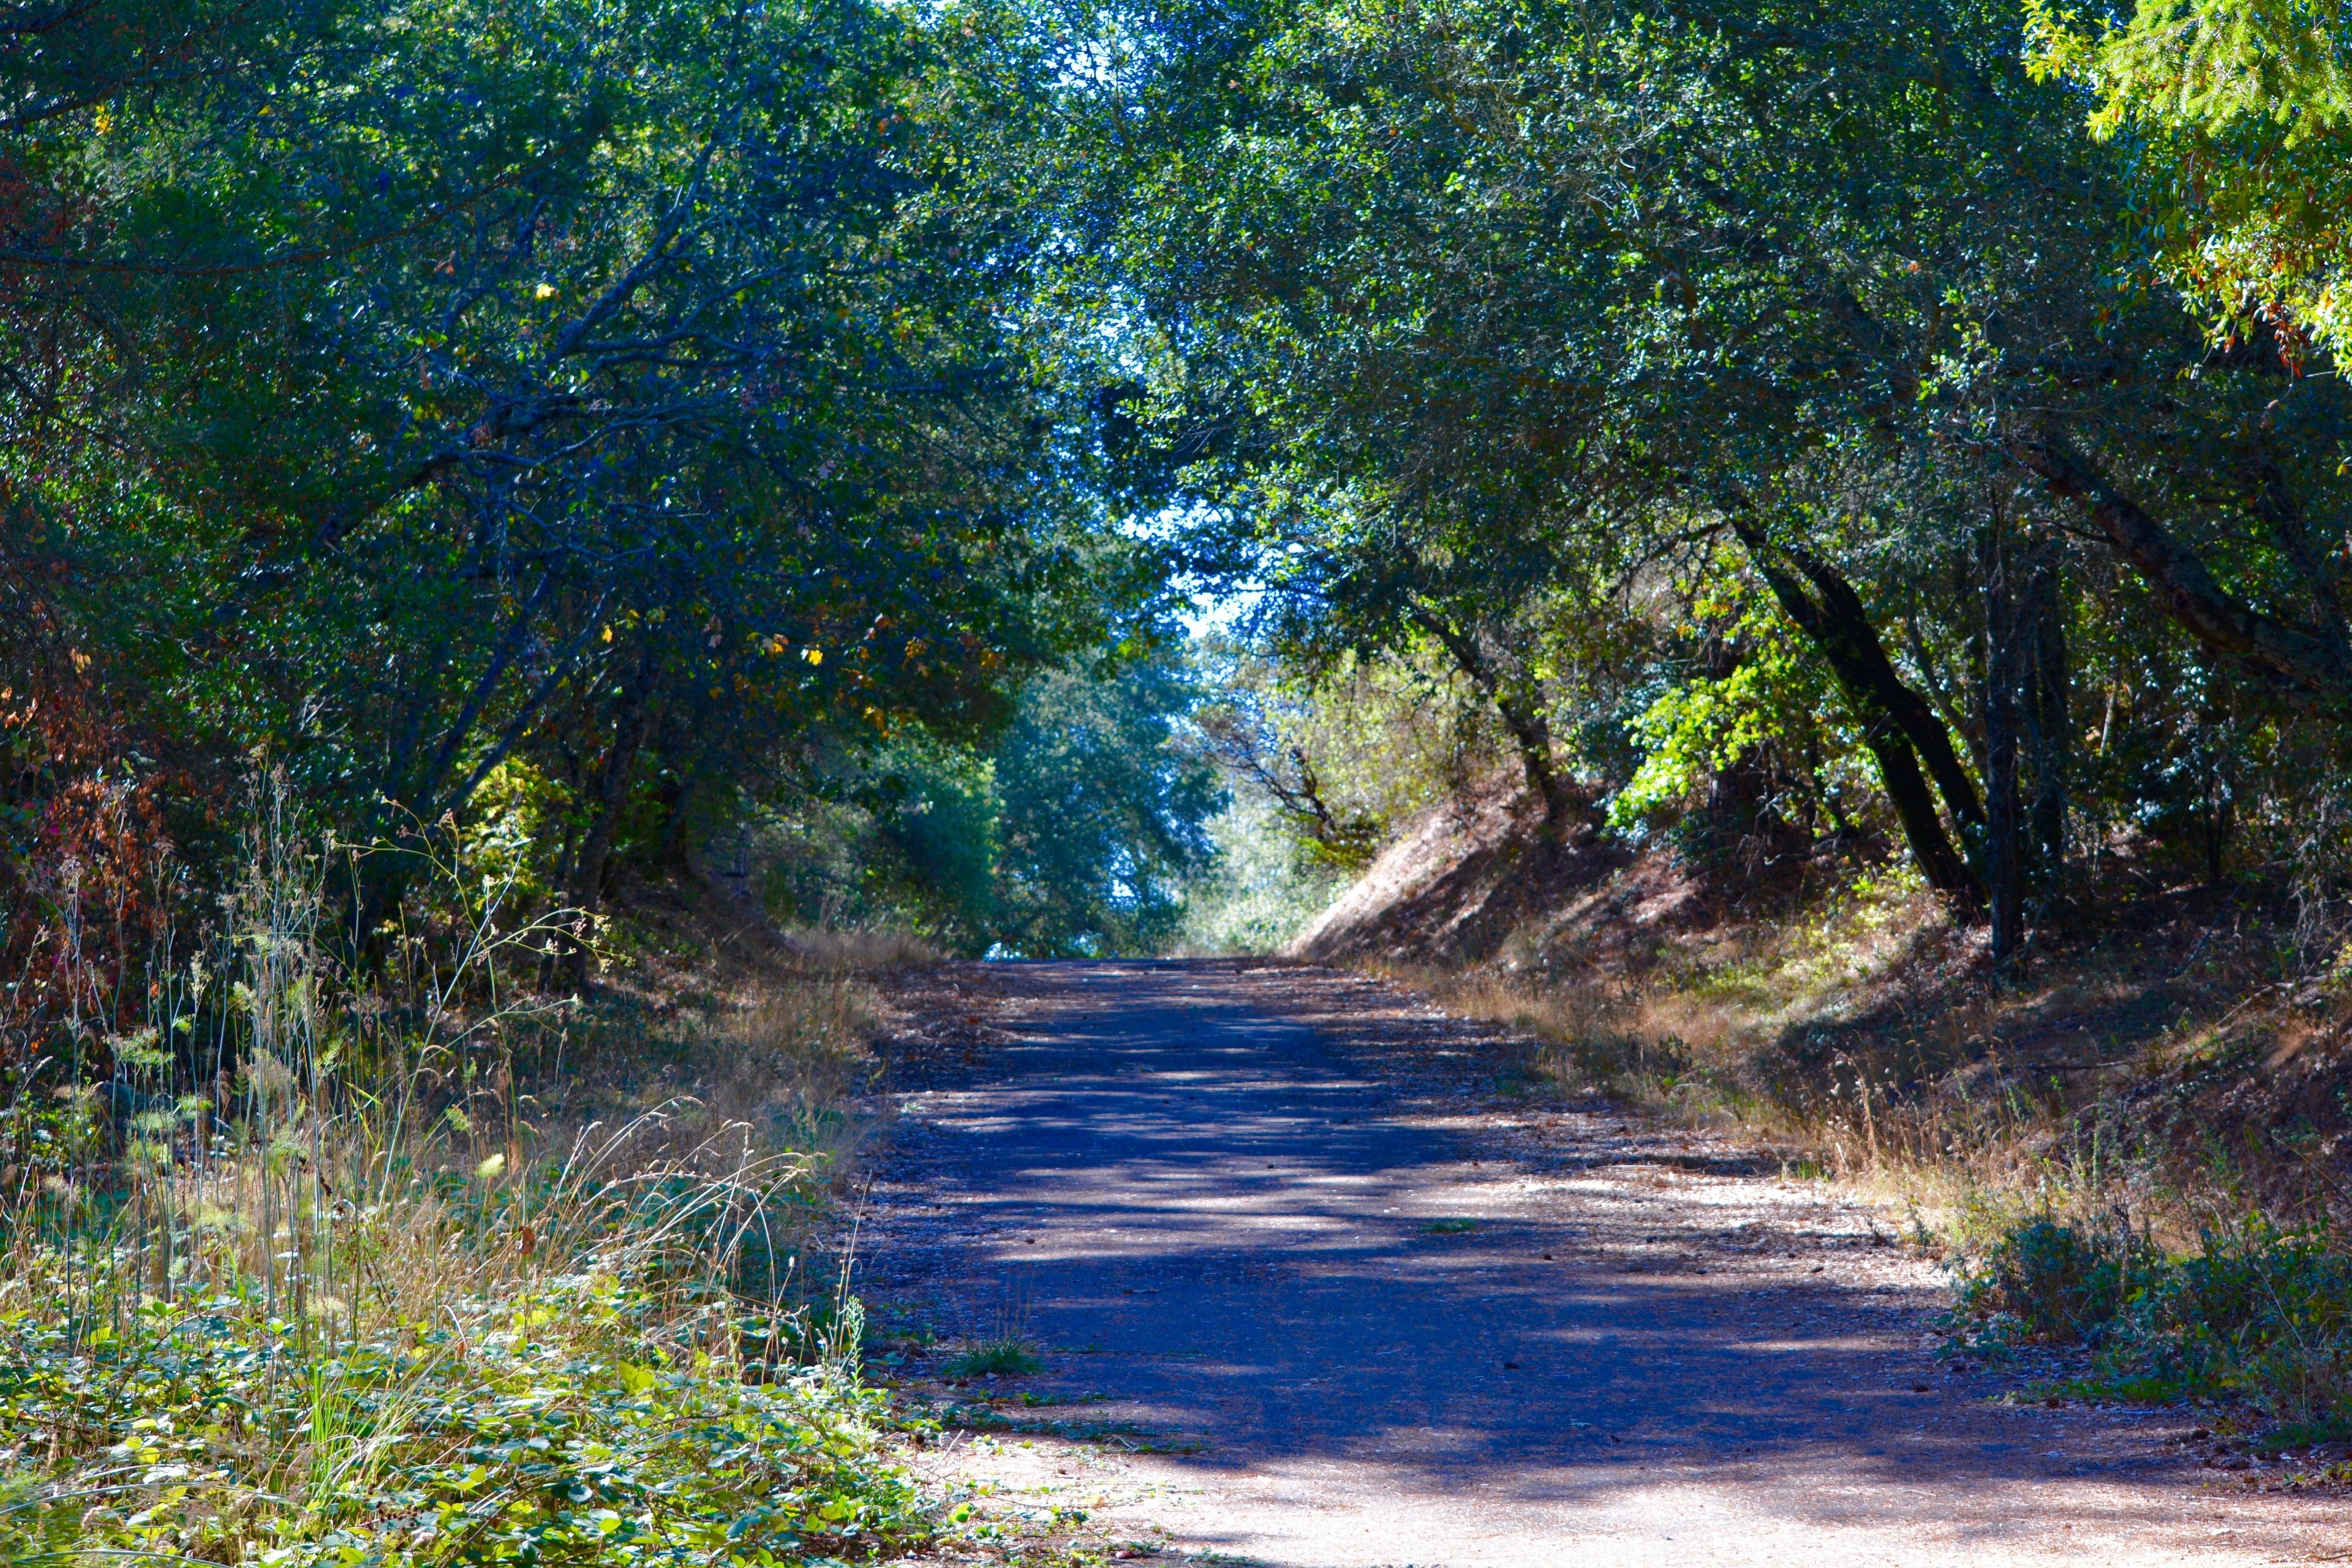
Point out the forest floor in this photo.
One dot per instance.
(1306, 1284)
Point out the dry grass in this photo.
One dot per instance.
(459, 1210)
(740, 1035)
(816, 950)
(770, 1062)
(1865, 1035)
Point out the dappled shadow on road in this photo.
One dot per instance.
(1306, 1251)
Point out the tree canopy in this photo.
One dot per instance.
(1908, 423)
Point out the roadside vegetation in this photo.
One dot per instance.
(422, 1263)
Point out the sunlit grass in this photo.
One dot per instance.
(358, 1284)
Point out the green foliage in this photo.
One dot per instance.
(2048, 1281)
(292, 1286)
(636, 394)
(1773, 713)
(1262, 891)
(1102, 814)
(2242, 110)
(1509, 335)
(2257, 1314)
(940, 828)
(586, 1425)
(1006, 1357)
(1077, 834)
(1344, 756)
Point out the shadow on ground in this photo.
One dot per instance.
(1253, 1208)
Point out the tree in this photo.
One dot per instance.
(2240, 112)
(410, 387)
(1507, 309)
(1102, 816)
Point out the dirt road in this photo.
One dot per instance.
(1284, 1220)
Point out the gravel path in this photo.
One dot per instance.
(1310, 1292)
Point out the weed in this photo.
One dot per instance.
(2050, 1282)
(1006, 1357)
(332, 1295)
(2260, 1314)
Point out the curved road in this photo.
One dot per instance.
(1281, 1225)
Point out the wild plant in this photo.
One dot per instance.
(302, 1279)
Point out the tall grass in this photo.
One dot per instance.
(306, 1278)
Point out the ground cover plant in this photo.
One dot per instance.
(596, 1409)
(2252, 1316)
(351, 1295)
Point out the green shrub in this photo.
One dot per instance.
(2257, 1314)
(2052, 1282)
(2260, 1314)
(1006, 1357)
(592, 1425)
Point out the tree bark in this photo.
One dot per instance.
(1887, 741)
(2048, 717)
(1896, 719)
(1520, 710)
(607, 805)
(1915, 807)
(676, 798)
(2004, 862)
(1845, 623)
(2302, 666)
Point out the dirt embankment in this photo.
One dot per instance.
(1479, 881)
(1824, 995)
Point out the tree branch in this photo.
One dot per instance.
(2299, 664)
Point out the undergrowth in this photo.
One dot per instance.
(2255, 1314)
(402, 1263)
(614, 1403)
(1002, 1357)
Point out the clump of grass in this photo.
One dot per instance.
(1005, 1357)
(777, 1064)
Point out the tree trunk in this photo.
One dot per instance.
(2220, 793)
(1532, 730)
(606, 807)
(1895, 719)
(2005, 860)
(1847, 636)
(674, 795)
(2048, 717)
(1521, 711)
(2302, 665)
(1915, 807)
